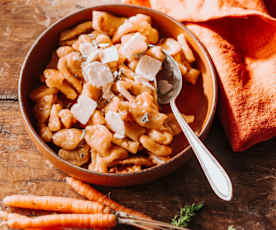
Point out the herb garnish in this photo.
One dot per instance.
(186, 214)
(145, 118)
(231, 227)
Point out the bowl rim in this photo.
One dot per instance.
(202, 133)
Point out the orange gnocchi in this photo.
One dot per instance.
(98, 103)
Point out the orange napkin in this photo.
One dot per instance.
(240, 36)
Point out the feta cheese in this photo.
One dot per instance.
(86, 48)
(134, 45)
(171, 46)
(88, 51)
(148, 67)
(107, 92)
(109, 54)
(123, 91)
(97, 74)
(94, 56)
(116, 124)
(83, 109)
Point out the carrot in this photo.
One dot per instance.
(8, 216)
(94, 195)
(64, 220)
(52, 203)
(55, 228)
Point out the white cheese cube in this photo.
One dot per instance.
(171, 46)
(86, 49)
(107, 92)
(83, 109)
(109, 54)
(136, 44)
(148, 67)
(97, 74)
(123, 91)
(116, 124)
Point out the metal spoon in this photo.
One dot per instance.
(216, 175)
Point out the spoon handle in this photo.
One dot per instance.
(216, 175)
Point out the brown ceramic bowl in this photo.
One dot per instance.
(199, 100)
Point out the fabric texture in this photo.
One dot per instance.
(240, 36)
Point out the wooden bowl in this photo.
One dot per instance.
(199, 100)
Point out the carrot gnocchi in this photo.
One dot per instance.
(98, 103)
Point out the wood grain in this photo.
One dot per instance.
(24, 170)
(21, 22)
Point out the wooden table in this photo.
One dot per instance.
(24, 170)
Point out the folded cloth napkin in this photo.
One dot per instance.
(240, 36)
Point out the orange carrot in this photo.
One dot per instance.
(55, 228)
(8, 216)
(52, 203)
(94, 195)
(64, 220)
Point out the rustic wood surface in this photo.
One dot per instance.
(24, 170)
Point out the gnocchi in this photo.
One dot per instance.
(98, 101)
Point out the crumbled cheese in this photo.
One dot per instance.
(164, 86)
(109, 54)
(104, 45)
(134, 45)
(83, 109)
(116, 124)
(98, 74)
(107, 92)
(148, 67)
(123, 91)
(171, 46)
(93, 56)
(86, 49)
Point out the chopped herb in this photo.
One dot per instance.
(186, 214)
(145, 118)
(117, 74)
(231, 227)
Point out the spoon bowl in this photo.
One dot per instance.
(216, 175)
(170, 73)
